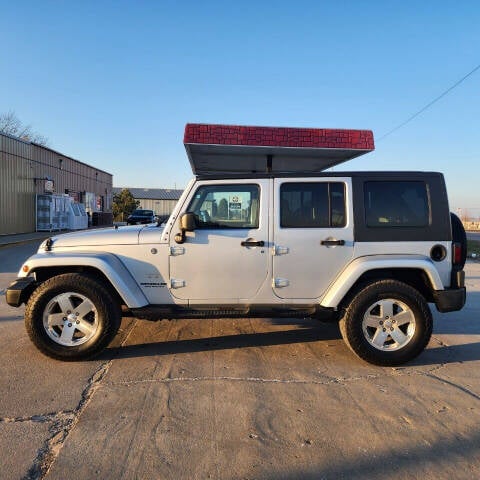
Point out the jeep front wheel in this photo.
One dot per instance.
(72, 317)
(387, 323)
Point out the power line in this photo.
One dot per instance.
(409, 119)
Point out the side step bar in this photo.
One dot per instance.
(160, 312)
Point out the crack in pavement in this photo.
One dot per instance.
(64, 422)
(441, 342)
(454, 385)
(61, 428)
(233, 379)
(40, 418)
(329, 381)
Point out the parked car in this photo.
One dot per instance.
(262, 231)
(161, 219)
(141, 217)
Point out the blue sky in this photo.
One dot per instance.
(114, 83)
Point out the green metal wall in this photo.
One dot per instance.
(23, 168)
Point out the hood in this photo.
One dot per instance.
(100, 236)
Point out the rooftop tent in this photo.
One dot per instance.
(214, 149)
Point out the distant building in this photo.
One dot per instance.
(160, 200)
(29, 171)
(471, 226)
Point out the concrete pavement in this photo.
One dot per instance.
(33, 236)
(24, 237)
(242, 398)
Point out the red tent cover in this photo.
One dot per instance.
(214, 149)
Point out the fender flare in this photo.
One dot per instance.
(347, 278)
(107, 263)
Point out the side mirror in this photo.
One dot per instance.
(187, 224)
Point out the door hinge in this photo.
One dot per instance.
(177, 283)
(280, 282)
(279, 250)
(176, 250)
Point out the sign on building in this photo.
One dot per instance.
(49, 186)
(235, 207)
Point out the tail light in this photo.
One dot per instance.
(457, 253)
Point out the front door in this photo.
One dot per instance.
(313, 234)
(226, 258)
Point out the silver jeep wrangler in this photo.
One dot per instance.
(262, 231)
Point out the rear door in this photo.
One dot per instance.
(313, 234)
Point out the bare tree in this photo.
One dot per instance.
(10, 124)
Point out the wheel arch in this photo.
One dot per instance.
(415, 278)
(418, 273)
(44, 273)
(105, 267)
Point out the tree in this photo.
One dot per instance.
(10, 124)
(123, 204)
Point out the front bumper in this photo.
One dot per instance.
(19, 291)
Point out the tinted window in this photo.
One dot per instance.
(226, 206)
(312, 205)
(396, 204)
(143, 213)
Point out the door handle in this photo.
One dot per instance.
(252, 243)
(331, 243)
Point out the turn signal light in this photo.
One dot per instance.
(25, 268)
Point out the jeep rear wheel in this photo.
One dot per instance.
(72, 317)
(387, 323)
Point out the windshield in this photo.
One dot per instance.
(143, 213)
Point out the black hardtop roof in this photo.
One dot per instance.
(384, 175)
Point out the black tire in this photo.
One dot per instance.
(359, 336)
(459, 236)
(79, 289)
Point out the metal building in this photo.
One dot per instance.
(160, 200)
(28, 169)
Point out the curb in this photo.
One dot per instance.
(20, 242)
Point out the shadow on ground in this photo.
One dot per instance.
(226, 342)
(12, 318)
(453, 456)
(468, 352)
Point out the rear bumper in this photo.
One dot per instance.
(450, 300)
(19, 291)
